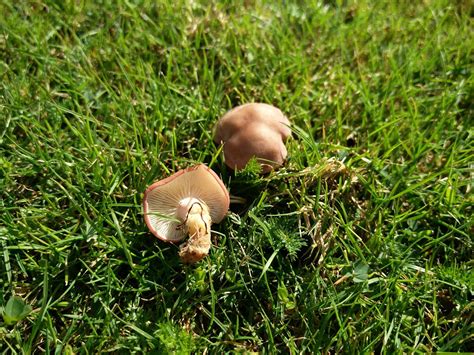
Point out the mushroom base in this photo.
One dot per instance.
(192, 252)
(198, 226)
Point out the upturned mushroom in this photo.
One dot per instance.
(186, 203)
(253, 130)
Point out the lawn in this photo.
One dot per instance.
(361, 242)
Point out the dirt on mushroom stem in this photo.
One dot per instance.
(198, 227)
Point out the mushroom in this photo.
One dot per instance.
(253, 130)
(186, 203)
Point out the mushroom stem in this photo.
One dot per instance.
(198, 225)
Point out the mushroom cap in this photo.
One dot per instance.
(164, 200)
(253, 141)
(253, 130)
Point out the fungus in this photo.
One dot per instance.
(253, 130)
(186, 203)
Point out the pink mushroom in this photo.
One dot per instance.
(186, 203)
(253, 130)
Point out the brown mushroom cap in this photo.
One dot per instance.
(253, 130)
(167, 201)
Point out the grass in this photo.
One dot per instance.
(362, 242)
